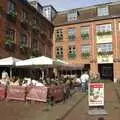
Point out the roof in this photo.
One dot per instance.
(88, 14)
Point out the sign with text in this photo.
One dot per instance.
(96, 94)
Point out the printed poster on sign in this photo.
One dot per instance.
(96, 94)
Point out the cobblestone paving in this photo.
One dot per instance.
(75, 108)
(112, 106)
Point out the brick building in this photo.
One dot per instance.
(24, 31)
(90, 36)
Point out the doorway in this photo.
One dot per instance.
(106, 71)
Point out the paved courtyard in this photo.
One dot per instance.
(74, 108)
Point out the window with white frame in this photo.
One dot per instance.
(23, 15)
(71, 33)
(59, 52)
(103, 11)
(72, 16)
(34, 20)
(104, 29)
(10, 34)
(23, 39)
(35, 44)
(84, 31)
(71, 51)
(85, 51)
(11, 6)
(59, 34)
(104, 47)
(119, 26)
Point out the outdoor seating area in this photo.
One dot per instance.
(26, 88)
(32, 90)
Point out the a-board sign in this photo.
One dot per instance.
(96, 94)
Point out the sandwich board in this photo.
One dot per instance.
(96, 99)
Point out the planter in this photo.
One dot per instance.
(12, 16)
(85, 55)
(105, 53)
(104, 33)
(9, 44)
(85, 36)
(59, 56)
(71, 55)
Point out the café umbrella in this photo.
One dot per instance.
(9, 61)
(39, 62)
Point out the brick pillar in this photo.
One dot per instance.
(116, 68)
(116, 51)
(94, 69)
(93, 58)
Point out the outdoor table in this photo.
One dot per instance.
(15, 92)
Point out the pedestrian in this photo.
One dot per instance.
(84, 80)
(5, 77)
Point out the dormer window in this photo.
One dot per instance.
(72, 16)
(103, 11)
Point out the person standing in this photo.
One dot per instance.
(5, 77)
(84, 80)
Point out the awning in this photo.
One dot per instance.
(72, 67)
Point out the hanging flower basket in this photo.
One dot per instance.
(12, 15)
(9, 44)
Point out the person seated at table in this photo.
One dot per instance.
(14, 81)
(24, 83)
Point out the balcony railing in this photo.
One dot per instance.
(11, 15)
(9, 44)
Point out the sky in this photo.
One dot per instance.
(61, 5)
